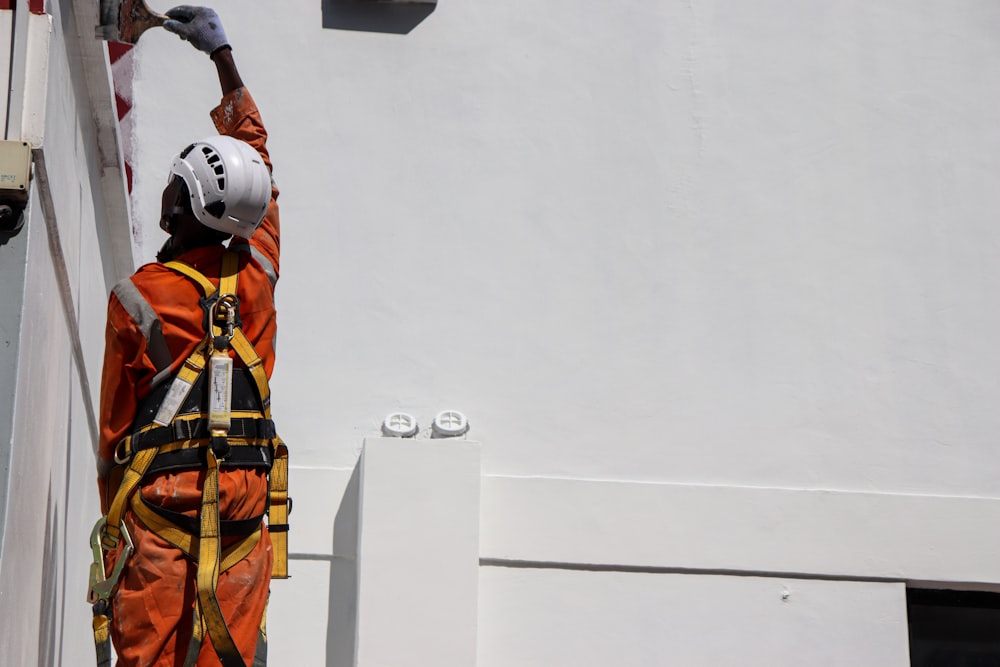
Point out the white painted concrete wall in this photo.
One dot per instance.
(714, 282)
(556, 618)
(735, 259)
(744, 243)
(64, 266)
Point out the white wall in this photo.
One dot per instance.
(68, 266)
(726, 258)
(534, 618)
(758, 233)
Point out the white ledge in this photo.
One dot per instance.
(823, 534)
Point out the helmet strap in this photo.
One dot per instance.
(168, 216)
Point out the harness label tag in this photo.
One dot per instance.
(221, 376)
(178, 391)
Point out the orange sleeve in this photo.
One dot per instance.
(124, 349)
(237, 116)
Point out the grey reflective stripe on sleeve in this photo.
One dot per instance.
(261, 258)
(145, 318)
(266, 263)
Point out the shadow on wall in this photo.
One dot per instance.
(340, 638)
(372, 16)
(49, 609)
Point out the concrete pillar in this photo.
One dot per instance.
(418, 553)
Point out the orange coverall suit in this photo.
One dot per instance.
(154, 602)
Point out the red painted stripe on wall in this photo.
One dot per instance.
(6, 4)
(123, 107)
(117, 49)
(36, 6)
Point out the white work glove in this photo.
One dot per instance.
(199, 25)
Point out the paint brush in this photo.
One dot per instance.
(126, 20)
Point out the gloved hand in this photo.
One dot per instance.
(199, 25)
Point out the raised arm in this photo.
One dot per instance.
(229, 76)
(237, 115)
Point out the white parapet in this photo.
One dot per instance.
(36, 79)
(417, 553)
(7, 32)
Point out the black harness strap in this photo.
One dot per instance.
(228, 527)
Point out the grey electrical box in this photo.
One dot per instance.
(15, 170)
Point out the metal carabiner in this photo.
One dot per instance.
(224, 310)
(101, 586)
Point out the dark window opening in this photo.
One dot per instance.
(953, 628)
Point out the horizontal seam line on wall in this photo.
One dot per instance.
(303, 556)
(648, 569)
(739, 487)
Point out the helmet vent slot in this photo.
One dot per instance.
(214, 161)
(216, 209)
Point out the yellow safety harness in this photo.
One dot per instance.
(188, 433)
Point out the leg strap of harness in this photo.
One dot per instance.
(109, 541)
(186, 542)
(133, 475)
(207, 610)
(277, 518)
(197, 639)
(190, 524)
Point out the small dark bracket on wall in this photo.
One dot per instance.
(390, 16)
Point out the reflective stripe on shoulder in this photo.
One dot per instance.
(147, 320)
(261, 258)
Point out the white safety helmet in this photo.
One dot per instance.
(229, 183)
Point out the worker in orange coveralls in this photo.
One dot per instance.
(218, 187)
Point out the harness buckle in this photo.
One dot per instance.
(220, 447)
(101, 587)
(122, 453)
